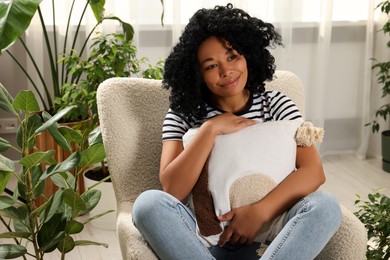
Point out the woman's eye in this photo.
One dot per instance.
(210, 67)
(233, 57)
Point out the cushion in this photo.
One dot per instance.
(242, 168)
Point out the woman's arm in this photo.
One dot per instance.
(180, 168)
(247, 221)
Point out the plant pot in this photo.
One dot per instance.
(386, 150)
(107, 201)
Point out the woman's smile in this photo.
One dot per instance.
(230, 83)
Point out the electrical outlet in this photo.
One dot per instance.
(8, 125)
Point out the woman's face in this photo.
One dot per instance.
(222, 68)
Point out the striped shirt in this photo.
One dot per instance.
(264, 107)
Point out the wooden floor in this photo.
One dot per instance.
(346, 177)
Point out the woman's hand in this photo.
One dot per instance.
(178, 169)
(227, 123)
(245, 223)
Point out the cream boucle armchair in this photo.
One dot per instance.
(131, 114)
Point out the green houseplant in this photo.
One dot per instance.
(112, 55)
(375, 215)
(38, 230)
(67, 85)
(383, 79)
(17, 16)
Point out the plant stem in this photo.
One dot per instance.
(28, 76)
(54, 73)
(9, 229)
(77, 34)
(55, 40)
(65, 43)
(28, 190)
(85, 45)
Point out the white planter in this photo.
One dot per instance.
(107, 202)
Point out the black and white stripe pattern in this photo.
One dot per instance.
(267, 106)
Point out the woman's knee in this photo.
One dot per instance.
(325, 200)
(326, 206)
(146, 204)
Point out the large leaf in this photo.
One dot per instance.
(12, 213)
(55, 133)
(26, 101)
(15, 17)
(22, 224)
(15, 235)
(10, 251)
(98, 216)
(52, 206)
(127, 28)
(97, 7)
(74, 227)
(4, 178)
(38, 186)
(64, 166)
(71, 134)
(89, 243)
(33, 123)
(92, 155)
(74, 200)
(6, 100)
(54, 119)
(66, 245)
(6, 165)
(95, 137)
(6, 202)
(51, 233)
(4, 145)
(37, 158)
(64, 180)
(91, 199)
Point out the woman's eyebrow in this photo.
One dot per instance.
(228, 51)
(206, 60)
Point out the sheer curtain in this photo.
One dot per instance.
(327, 43)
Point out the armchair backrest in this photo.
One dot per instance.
(132, 111)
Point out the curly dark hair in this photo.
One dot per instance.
(248, 35)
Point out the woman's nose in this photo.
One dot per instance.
(224, 70)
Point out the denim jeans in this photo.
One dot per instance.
(170, 229)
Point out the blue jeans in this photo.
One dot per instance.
(170, 229)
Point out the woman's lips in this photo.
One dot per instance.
(230, 83)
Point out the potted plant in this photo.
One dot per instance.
(60, 86)
(63, 88)
(38, 230)
(18, 15)
(375, 215)
(383, 79)
(112, 55)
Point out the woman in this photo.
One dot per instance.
(216, 75)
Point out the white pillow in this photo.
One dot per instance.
(267, 149)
